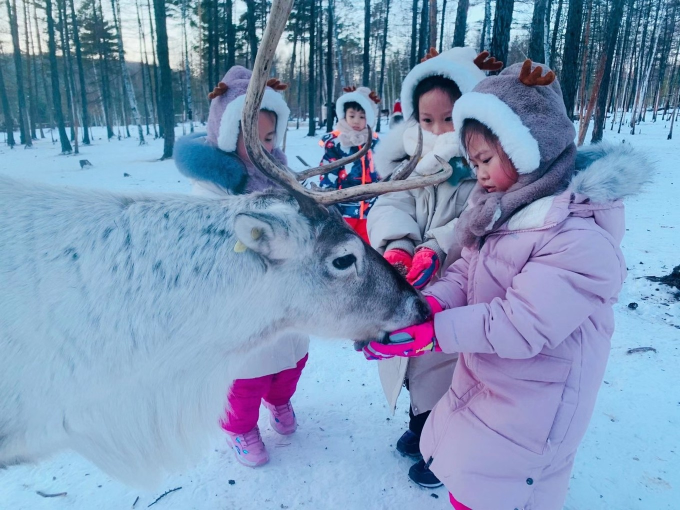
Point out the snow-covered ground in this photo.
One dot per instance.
(342, 456)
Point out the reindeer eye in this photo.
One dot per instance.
(344, 262)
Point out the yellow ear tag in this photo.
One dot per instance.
(256, 233)
(240, 247)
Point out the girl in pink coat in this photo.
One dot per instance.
(529, 304)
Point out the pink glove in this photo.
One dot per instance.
(400, 259)
(408, 342)
(425, 266)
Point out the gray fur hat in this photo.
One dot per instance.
(523, 107)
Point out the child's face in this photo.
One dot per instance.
(356, 119)
(266, 123)
(434, 112)
(495, 172)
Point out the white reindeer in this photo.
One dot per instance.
(122, 316)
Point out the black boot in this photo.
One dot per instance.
(409, 445)
(422, 475)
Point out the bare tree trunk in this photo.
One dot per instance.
(54, 71)
(424, 36)
(381, 86)
(675, 109)
(501, 29)
(585, 119)
(42, 68)
(644, 79)
(585, 54)
(613, 22)
(367, 43)
(147, 76)
(461, 23)
(6, 112)
(187, 69)
(414, 35)
(432, 30)
(156, 84)
(23, 113)
(546, 34)
(486, 26)
(311, 61)
(165, 91)
(329, 70)
(68, 74)
(231, 35)
(142, 53)
(568, 76)
(338, 53)
(536, 48)
(129, 91)
(32, 91)
(81, 76)
(441, 27)
(556, 29)
(252, 35)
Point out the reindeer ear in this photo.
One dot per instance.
(263, 234)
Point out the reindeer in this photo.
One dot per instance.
(123, 316)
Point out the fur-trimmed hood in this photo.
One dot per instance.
(199, 160)
(605, 174)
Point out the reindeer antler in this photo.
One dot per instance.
(374, 97)
(349, 89)
(272, 168)
(534, 78)
(431, 53)
(486, 63)
(277, 85)
(218, 91)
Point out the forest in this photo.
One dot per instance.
(141, 67)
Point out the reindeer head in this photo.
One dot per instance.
(314, 241)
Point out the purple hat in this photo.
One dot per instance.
(226, 108)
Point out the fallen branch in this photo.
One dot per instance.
(640, 349)
(163, 495)
(46, 495)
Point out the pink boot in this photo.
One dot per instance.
(248, 448)
(282, 418)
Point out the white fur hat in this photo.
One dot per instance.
(456, 64)
(365, 97)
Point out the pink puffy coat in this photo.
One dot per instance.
(531, 314)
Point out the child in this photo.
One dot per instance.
(415, 229)
(356, 108)
(529, 304)
(218, 164)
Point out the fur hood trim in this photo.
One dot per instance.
(199, 160)
(390, 152)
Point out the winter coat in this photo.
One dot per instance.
(530, 313)
(215, 174)
(407, 220)
(361, 172)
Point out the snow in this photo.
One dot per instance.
(342, 456)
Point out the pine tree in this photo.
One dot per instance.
(165, 90)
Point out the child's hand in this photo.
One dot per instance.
(408, 342)
(425, 265)
(400, 259)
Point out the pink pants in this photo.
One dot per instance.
(246, 395)
(456, 504)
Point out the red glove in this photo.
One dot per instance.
(408, 342)
(400, 259)
(425, 265)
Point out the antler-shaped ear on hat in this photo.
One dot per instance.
(277, 85)
(374, 97)
(486, 63)
(431, 53)
(533, 78)
(349, 89)
(218, 91)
